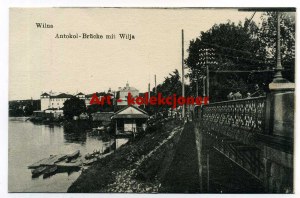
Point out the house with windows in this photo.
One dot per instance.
(123, 94)
(80, 95)
(53, 101)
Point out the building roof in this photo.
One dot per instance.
(62, 95)
(97, 94)
(103, 116)
(80, 93)
(45, 94)
(54, 109)
(133, 116)
(130, 112)
(128, 88)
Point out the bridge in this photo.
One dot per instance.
(256, 134)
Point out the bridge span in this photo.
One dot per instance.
(257, 134)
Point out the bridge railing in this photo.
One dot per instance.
(238, 119)
(257, 134)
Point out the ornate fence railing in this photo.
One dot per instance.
(238, 119)
(233, 125)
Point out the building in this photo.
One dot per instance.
(103, 117)
(88, 97)
(49, 113)
(53, 101)
(130, 120)
(80, 95)
(123, 94)
(54, 112)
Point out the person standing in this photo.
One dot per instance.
(237, 95)
(230, 96)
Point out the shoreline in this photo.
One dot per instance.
(124, 170)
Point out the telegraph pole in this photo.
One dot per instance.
(203, 82)
(182, 62)
(207, 73)
(148, 91)
(197, 88)
(155, 84)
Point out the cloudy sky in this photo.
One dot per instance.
(39, 62)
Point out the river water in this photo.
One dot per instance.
(30, 142)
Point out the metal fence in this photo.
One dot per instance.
(238, 119)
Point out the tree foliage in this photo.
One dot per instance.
(73, 107)
(229, 47)
(267, 35)
(232, 47)
(171, 85)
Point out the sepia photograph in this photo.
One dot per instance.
(151, 100)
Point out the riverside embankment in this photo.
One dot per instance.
(164, 160)
(139, 166)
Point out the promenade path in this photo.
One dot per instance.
(225, 176)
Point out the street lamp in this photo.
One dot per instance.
(278, 69)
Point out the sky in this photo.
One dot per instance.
(39, 62)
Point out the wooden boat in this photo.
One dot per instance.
(73, 156)
(61, 158)
(50, 171)
(48, 161)
(90, 161)
(38, 171)
(73, 161)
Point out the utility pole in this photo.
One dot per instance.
(197, 88)
(203, 81)
(155, 90)
(182, 62)
(148, 91)
(207, 73)
(155, 84)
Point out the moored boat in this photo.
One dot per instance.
(73, 156)
(50, 171)
(38, 171)
(90, 161)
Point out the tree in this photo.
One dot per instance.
(267, 35)
(232, 47)
(28, 110)
(73, 107)
(227, 47)
(246, 47)
(171, 85)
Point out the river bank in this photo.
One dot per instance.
(138, 166)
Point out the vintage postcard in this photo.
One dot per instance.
(151, 100)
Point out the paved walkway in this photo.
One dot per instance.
(182, 176)
(225, 176)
